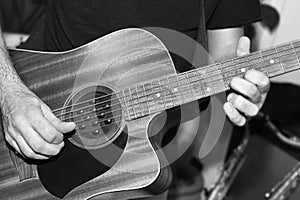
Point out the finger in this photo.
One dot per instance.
(234, 115)
(37, 143)
(258, 78)
(246, 88)
(63, 127)
(43, 127)
(27, 151)
(12, 143)
(243, 105)
(243, 46)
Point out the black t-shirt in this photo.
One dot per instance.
(71, 23)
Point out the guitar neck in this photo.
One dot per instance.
(178, 89)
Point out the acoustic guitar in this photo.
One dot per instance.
(115, 89)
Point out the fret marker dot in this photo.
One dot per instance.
(272, 61)
(243, 70)
(158, 95)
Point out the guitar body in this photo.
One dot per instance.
(133, 168)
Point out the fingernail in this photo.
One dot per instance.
(230, 97)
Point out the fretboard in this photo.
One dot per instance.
(174, 90)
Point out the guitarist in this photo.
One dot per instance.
(34, 132)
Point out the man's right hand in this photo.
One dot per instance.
(29, 125)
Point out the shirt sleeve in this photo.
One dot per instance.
(234, 13)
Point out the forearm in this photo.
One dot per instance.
(9, 79)
(223, 43)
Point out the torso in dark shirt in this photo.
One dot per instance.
(71, 23)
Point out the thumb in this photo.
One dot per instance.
(243, 46)
(63, 127)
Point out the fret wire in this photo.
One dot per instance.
(130, 104)
(219, 83)
(186, 90)
(153, 100)
(201, 81)
(248, 62)
(256, 63)
(125, 106)
(139, 108)
(292, 44)
(266, 71)
(171, 90)
(162, 94)
(167, 94)
(231, 77)
(174, 88)
(191, 88)
(195, 84)
(205, 82)
(180, 89)
(210, 82)
(133, 101)
(279, 60)
(157, 94)
(146, 102)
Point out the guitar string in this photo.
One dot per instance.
(144, 96)
(177, 81)
(181, 74)
(191, 82)
(103, 108)
(292, 48)
(114, 122)
(188, 83)
(240, 63)
(110, 112)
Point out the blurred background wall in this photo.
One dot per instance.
(266, 164)
(288, 29)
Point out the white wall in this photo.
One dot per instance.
(288, 30)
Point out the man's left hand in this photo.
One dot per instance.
(252, 89)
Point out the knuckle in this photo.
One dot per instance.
(233, 81)
(265, 82)
(32, 110)
(37, 147)
(16, 118)
(29, 154)
(52, 137)
(50, 134)
(248, 74)
(235, 118)
(253, 91)
(239, 103)
(10, 130)
(251, 74)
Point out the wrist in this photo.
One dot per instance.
(10, 89)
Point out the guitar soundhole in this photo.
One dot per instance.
(98, 116)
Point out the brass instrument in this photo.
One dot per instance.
(286, 187)
(229, 171)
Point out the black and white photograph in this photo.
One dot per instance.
(149, 100)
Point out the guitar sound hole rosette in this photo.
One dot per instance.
(97, 113)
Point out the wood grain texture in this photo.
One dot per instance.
(121, 59)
